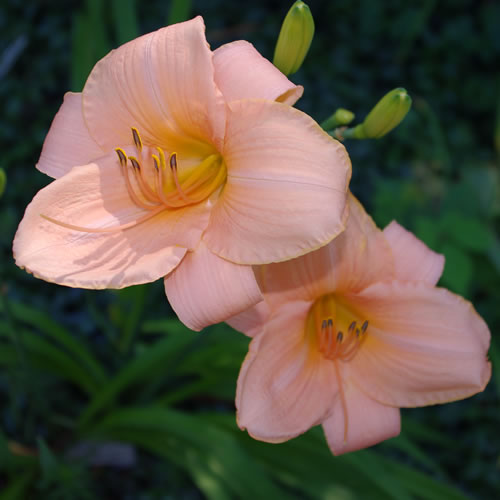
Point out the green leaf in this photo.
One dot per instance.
(180, 10)
(125, 20)
(143, 367)
(468, 232)
(17, 487)
(224, 460)
(74, 347)
(458, 269)
(48, 461)
(53, 359)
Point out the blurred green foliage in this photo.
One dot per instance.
(83, 372)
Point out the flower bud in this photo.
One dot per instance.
(341, 117)
(295, 38)
(3, 181)
(387, 114)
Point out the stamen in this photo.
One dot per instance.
(148, 193)
(130, 189)
(173, 168)
(113, 229)
(364, 326)
(137, 139)
(122, 157)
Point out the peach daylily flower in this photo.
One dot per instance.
(348, 334)
(175, 157)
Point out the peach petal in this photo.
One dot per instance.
(355, 259)
(283, 388)
(242, 73)
(413, 260)
(369, 422)
(95, 196)
(206, 289)
(68, 142)
(251, 321)
(163, 84)
(424, 346)
(286, 188)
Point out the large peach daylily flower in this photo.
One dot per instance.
(177, 157)
(348, 334)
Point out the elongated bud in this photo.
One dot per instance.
(295, 38)
(3, 181)
(341, 117)
(387, 114)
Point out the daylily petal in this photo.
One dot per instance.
(207, 289)
(353, 260)
(163, 84)
(413, 260)
(369, 422)
(286, 187)
(284, 388)
(95, 196)
(242, 73)
(424, 345)
(251, 321)
(68, 142)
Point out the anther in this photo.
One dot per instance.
(173, 161)
(323, 325)
(122, 157)
(137, 139)
(351, 328)
(156, 162)
(364, 327)
(330, 322)
(134, 162)
(358, 333)
(340, 337)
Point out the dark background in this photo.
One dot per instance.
(437, 174)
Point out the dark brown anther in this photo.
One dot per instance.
(340, 337)
(330, 322)
(137, 139)
(122, 157)
(358, 333)
(351, 328)
(173, 161)
(134, 162)
(323, 325)
(364, 327)
(155, 163)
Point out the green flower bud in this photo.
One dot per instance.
(341, 117)
(295, 38)
(387, 114)
(3, 181)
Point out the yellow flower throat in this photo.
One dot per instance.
(162, 185)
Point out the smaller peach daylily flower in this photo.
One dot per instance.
(183, 163)
(350, 333)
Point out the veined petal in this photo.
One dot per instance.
(284, 388)
(251, 321)
(242, 73)
(369, 422)
(286, 186)
(355, 259)
(424, 346)
(95, 196)
(413, 260)
(68, 142)
(207, 289)
(163, 84)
